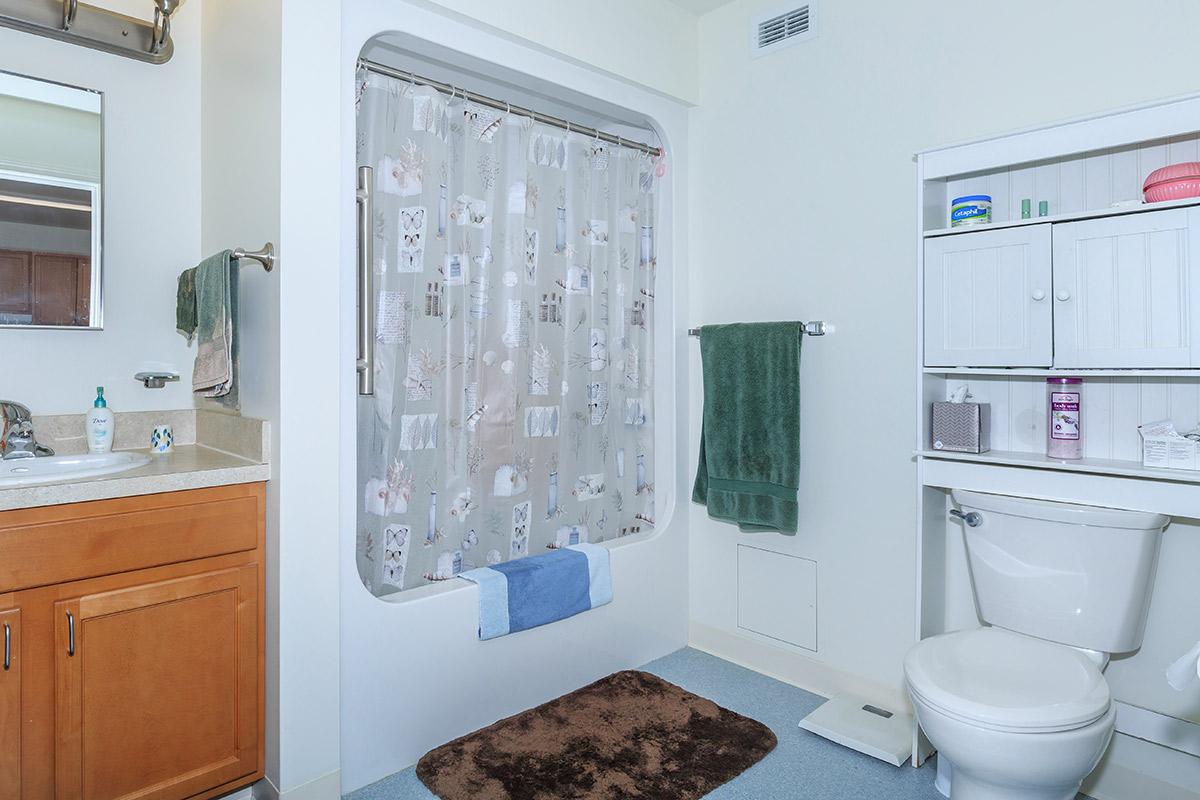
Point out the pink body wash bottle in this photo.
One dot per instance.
(1064, 426)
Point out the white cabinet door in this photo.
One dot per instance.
(987, 299)
(1124, 288)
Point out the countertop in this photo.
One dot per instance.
(211, 449)
(189, 467)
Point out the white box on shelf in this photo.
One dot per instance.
(1163, 447)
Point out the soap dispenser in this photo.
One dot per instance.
(100, 424)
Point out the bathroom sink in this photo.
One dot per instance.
(47, 469)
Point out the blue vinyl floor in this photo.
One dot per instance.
(802, 767)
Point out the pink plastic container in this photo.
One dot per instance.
(1175, 182)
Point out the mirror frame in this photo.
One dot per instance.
(96, 323)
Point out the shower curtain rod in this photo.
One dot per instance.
(501, 105)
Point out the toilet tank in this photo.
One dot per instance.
(1077, 575)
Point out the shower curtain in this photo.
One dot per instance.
(514, 300)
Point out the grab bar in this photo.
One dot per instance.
(366, 267)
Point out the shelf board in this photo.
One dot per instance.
(1050, 372)
(1116, 211)
(1095, 466)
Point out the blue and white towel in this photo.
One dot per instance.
(528, 592)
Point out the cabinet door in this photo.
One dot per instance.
(157, 689)
(1124, 288)
(16, 284)
(10, 703)
(55, 289)
(987, 299)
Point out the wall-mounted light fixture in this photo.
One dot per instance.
(97, 28)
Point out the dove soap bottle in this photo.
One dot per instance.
(99, 425)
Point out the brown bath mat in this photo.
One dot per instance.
(630, 735)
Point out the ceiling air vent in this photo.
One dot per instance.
(781, 28)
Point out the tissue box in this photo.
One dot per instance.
(1164, 448)
(961, 427)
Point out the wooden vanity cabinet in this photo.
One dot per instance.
(140, 675)
(10, 702)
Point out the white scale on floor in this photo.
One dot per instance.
(853, 722)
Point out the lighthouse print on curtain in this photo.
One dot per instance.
(514, 274)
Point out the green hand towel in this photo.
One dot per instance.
(216, 328)
(749, 468)
(185, 304)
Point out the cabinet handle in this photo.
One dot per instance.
(1063, 296)
(7, 647)
(1039, 295)
(70, 634)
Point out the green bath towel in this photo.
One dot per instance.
(749, 467)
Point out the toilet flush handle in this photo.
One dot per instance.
(973, 518)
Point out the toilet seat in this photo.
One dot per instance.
(1004, 681)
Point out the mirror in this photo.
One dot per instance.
(50, 179)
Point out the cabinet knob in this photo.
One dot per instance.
(1039, 295)
(1063, 295)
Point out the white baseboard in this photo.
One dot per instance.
(265, 790)
(1133, 769)
(241, 794)
(1151, 726)
(793, 668)
(327, 787)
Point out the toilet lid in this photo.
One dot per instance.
(1002, 679)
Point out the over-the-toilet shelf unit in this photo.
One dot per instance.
(1105, 287)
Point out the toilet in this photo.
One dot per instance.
(1020, 710)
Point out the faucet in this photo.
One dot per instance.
(17, 439)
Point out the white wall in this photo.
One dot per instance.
(240, 157)
(151, 227)
(648, 42)
(414, 674)
(271, 137)
(804, 207)
(310, 374)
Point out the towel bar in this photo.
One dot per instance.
(265, 256)
(814, 328)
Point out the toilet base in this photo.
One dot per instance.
(971, 789)
(945, 773)
(966, 787)
(989, 764)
